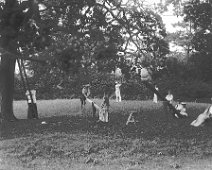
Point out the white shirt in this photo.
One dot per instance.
(33, 92)
(117, 86)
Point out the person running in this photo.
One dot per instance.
(117, 91)
(85, 93)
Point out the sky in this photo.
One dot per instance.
(168, 17)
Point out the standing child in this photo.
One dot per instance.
(85, 93)
(32, 106)
(104, 110)
(118, 92)
(155, 97)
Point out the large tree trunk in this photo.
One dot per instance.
(7, 88)
(10, 27)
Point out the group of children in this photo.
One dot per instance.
(104, 108)
(181, 108)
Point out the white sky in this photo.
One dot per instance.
(169, 19)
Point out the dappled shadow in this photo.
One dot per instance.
(28, 127)
(153, 124)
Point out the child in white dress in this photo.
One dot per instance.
(203, 117)
(104, 110)
(118, 92)
(155, 97)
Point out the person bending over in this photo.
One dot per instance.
(85, 93)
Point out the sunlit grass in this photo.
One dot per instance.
(69, 139)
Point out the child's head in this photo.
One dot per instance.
(183, 104)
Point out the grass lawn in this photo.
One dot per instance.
(71, 139)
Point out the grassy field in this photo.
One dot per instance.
(71, 139)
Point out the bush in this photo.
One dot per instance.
(185, 90)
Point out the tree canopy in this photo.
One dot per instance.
(199, 13)
(75, 34)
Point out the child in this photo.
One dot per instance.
(32, 106)
(169, 97)
(104, 110)
(85, 93)
(155, 97)
(181, 107)
(203, 117)
(117, 91)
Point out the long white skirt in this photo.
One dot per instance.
(103, 114)
(155, 98)
(200, 120)
(202, 117)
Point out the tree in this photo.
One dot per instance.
(199, 13)
(75, 34)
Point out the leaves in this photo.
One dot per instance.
(199, 14)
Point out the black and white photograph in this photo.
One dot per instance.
(105, 84)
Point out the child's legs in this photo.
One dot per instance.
(30, 111)
(35, 110)
(119, 95)
(82, 99)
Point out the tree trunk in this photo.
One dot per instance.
(7, 88)
(9, 34)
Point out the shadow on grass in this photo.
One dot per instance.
(153, 124)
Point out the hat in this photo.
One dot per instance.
(86, 85)
(183, 103)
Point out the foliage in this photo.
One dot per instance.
(199, 13)
(93, 37)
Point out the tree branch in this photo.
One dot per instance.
(18, 56)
